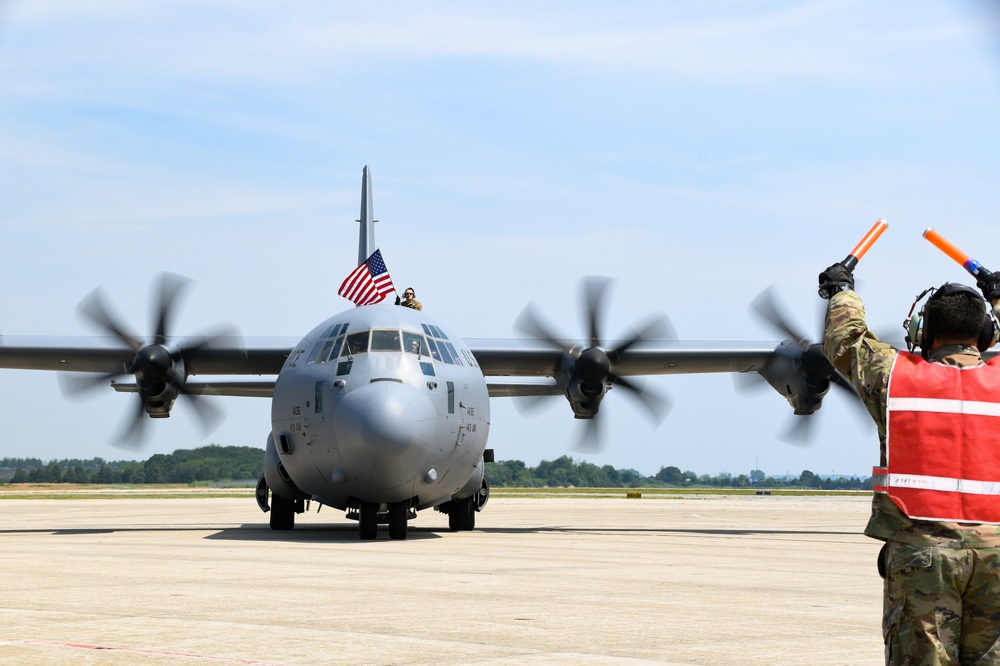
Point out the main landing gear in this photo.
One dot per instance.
(462, 512)
(370, 514)
(282, 511)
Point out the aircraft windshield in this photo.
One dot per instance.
(357, 343)
(385, 341)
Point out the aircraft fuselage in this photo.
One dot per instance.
(378, 404)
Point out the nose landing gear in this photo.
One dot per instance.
(370, 514)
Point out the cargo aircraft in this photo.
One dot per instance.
(383, 411)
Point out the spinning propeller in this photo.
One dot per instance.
(799, 370)
(587, 371)
(158, 366)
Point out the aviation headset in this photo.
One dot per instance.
(917, 334)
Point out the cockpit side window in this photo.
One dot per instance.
(445, 355)
(414, 343)
(385, 341)
(314, 353)
(453, 353)
(357, 343)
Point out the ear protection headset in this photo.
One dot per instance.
(917, 334)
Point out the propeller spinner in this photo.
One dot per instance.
(587, 371)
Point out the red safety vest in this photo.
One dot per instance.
(943, 441)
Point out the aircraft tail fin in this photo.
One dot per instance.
(366, 234)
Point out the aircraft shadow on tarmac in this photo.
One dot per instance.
(347, 532)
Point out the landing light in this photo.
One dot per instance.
(431, 476)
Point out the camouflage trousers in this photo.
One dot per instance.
(941, 605)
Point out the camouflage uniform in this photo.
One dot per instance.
(942, 580)
(415, 304)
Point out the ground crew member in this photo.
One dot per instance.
(409, 300)
(937, 500)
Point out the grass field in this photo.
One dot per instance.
(48, 491)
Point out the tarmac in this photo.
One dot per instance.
(713, 580)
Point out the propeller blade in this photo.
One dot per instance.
(766, 307)
(845, 385)
(657, 406)
(530, 323)
(800, 432)
(528, 404)
(591, 439)
(171, 286)
(594, 288)
(658, 327)
(131, 435)
(74, 384)
(209, 415)
(97, 311)
(222, 336)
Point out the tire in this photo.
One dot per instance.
(282, 513)
(397, 520)
(368, 520)
(462, 517)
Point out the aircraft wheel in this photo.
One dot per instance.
(368, 520)
(462, 517)
(397, 520)
(282, 513)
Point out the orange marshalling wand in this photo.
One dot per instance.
(968, 263)
(866, 243)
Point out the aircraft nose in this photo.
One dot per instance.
(385, 429)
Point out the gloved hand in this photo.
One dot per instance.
(835, 278)
(397, 299)
(989, 284)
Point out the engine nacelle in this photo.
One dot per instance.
(585, 397)
(801, 375)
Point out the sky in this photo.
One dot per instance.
(696, 152)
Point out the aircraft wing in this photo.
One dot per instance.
(103, 355)
(537, 358)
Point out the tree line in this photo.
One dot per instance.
(208, 463)
(565, 472)
(246, 463)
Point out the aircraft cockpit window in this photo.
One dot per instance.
(357, 343)
(452, 352)
(334, 352)
(314, 353)
(435, 354)
(427, 329)
(330, 332)
(414, 343)
(427, 368)
(344, 367)
(324, 351)
(440, 333)
(445, 354)
(385, 341)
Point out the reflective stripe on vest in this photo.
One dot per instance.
(943, 441)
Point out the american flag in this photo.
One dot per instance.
(368, 283)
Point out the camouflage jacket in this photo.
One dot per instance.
(866, 361)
